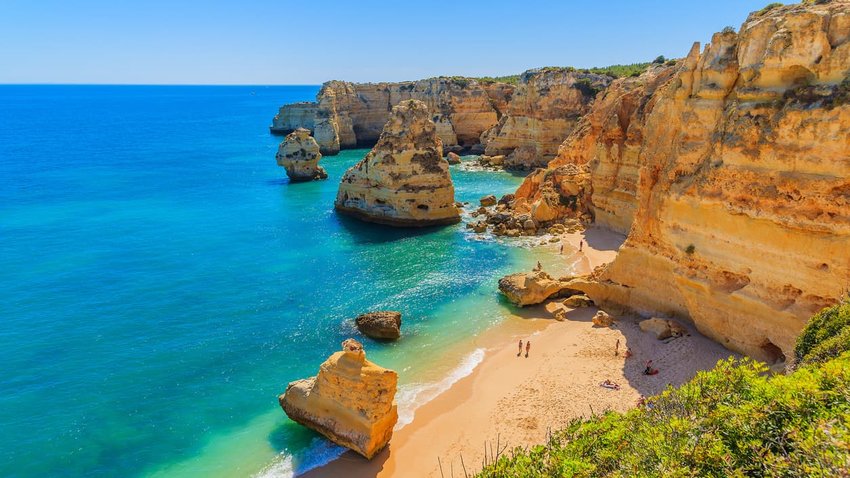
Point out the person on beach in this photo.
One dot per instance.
(617, 348)
(527, 348)
(562, 249)
(520, 348)
(539, 266)
(649, 370)
(580, 245)
(628, 353)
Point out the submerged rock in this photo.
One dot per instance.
(351, 401)
(404, 180)
(380, 325)
(299, 154)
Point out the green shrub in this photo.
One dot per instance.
(767, 8)
(731, 421)
(690, 249)
(821, 339)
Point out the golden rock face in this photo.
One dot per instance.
(731, 173)
(404, 180)
(542, 112)
(347, 115)
(351, 401)
(299, 154)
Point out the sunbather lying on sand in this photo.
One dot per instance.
(609, 384)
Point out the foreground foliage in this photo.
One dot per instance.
(733, 421)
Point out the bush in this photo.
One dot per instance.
(690, 249)
(768, 8)
(659, 60)
(822, 337)
(728, 29)
(731, 421)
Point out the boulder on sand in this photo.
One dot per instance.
(663, 328)
(529, 288)
(351, 401)
(602, 319)
(380, 325)
(576, 301)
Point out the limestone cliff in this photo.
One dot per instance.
(404, 180)
(733, 177)
(348, 115)
(351, 401)
(299, 154)
(543, 110)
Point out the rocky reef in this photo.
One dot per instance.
(730, 172)
(543, 110)
(349, 115)
(404, 180)
(351, 401)
(299, 154)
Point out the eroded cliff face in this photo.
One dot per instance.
(404, 180)
(734, 176)
(299, 155)
(351, 401)
(543, 110)
(349, 115)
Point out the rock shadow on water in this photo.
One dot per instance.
(372, 233)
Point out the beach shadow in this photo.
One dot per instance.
(351, 465)
(603, 239)
(371, 233)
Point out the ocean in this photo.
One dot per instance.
(162, 282)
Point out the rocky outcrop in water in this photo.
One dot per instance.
(731, 174)
(543, 110)
(349, 115)
(404, 180)
(299, 154)
(385, 325)
(351, 401)
(531, 288)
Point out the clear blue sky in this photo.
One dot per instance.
(310, 41)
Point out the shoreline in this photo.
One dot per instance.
(517, 401)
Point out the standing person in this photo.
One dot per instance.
(527, 348)
(617, 348)
(580, 245)
(520, 348)
(562, 249)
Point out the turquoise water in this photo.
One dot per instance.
(162, 282)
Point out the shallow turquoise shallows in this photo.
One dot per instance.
(161, 282)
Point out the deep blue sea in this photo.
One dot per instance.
(161, 282)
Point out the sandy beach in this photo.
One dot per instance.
(511, 400)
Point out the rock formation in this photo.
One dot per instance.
(453, 158)
(663, 328)
(530, 288)
(351, 401)
(404, 180)
(543, 110)
(730, 171)
(602, 319)
(349, 115)
(299, 154)
(380, 325)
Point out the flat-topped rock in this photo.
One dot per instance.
(530, 288)
(404, 181)
(351, 401)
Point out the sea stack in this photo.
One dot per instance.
(299, 154)
(404, 181)
(351, 401)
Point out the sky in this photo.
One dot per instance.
(263, 42)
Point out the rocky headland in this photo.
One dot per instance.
(729, 170)
(404, 181)
(545, 107)
(349, 115)
(299, 155)
(351, 401)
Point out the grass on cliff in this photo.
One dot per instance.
(734, 420)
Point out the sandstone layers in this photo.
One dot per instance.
(299, 154)
(404, 180)
(351, 401)
(543, 110)
(731, 172)
(349, 115)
